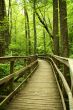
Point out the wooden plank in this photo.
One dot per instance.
(13, 58)
(71, 73)
(2, 104)
(61, 59)
(67, 89)
(41, 92)
(24, 70)
(6, 79)
(17, 74)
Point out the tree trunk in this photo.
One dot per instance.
(44, 37)
(29, 42)
(26, 34)
(2, 30)
(7, 30)
(55, 27)
(15, 29)
(27, 31)
(64, 35)
(63, 28)
(34, 26)
(10, 19)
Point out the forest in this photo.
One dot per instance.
(36, 36)
(30, 27)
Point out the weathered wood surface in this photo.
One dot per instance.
(17, 74)
(40, 93)
(71, 73)
(14, 58)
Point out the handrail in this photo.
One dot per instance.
(69, 63)
(63, 60)
(13, 58)
(68, 91)
(16, 74)
(24, 73)
(71, 72)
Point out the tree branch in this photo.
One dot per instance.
(44, 24)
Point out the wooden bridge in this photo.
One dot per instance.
(39, 85)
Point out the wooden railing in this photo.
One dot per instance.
(66, 91)
(11, 84)
(69, 63)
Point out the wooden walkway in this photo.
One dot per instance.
(40, 93)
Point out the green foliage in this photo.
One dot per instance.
(18, 38)
(70, 25)
(4, 70)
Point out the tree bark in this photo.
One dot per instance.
(29, 42)
(64, 35)
(34, 26)
(26, 34)
(63, 28)
(2, 30)
(44, 39)
(10, 19)
(27, 31)
(44, 36)
(55, 27)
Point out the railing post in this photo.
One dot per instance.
(11, 67)
(25, 62)
(11, 71)
(29, 61)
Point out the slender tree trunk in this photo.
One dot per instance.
(44, 37)
(2, 30)
(55, 27)
(15, 30)
(29, 42)
(8, 29)
(64, 28)
(26, 34)
(34, 26)
(10, 19)
(44, 41)
(27, 31)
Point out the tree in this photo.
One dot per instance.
(44, 36)
(26, 33)
(55, 27)
(63, 28)
(44, 24)
(10, 19)
(2, 27)
(27, 30)
(34, 26)
(64, 34)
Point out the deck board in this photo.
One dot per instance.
(40, 93)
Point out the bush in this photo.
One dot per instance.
(4, 70)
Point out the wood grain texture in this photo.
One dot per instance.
(40, 93)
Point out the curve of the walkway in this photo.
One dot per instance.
(40, 93)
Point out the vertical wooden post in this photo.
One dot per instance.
(11, 71)
(29, 61)
(11, 67)
(25, 62)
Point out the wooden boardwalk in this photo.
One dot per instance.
(40, 93)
